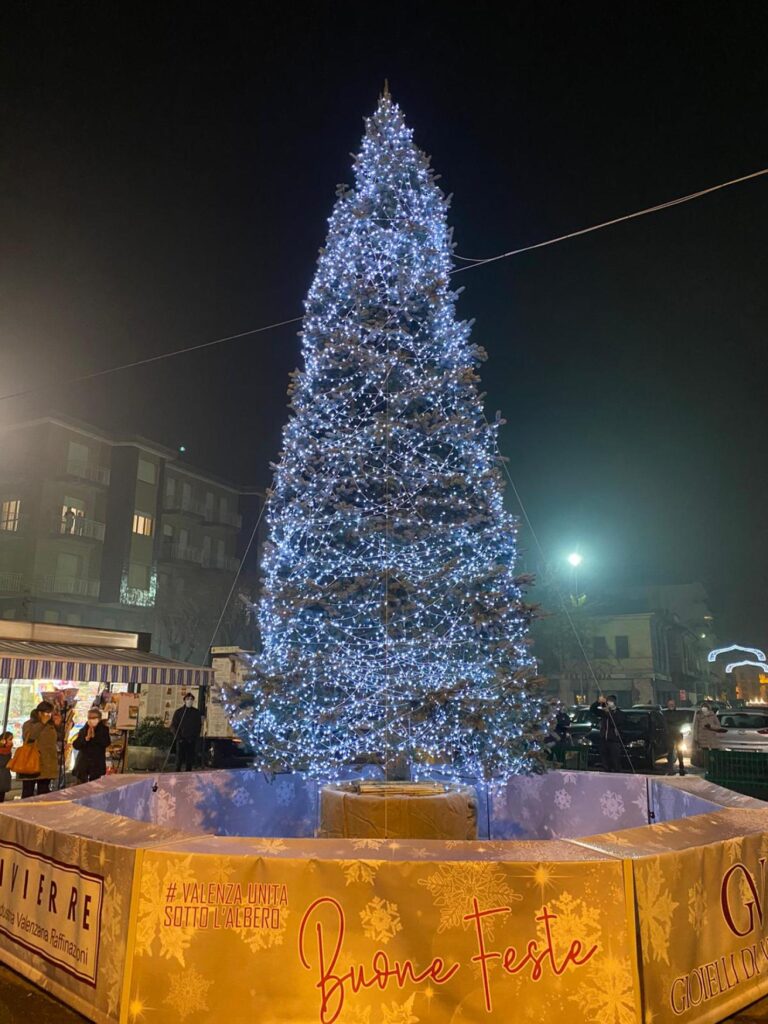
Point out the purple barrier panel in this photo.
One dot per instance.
(564, 805)
(672, 802)
(235, 803)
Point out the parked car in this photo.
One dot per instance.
(644, 736)
(745, 730)
(583, 721)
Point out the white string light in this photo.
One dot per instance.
(391, 619)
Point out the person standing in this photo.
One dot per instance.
(186, 726)
(611, 723)
(705, 725)
(39, 729)
(6, 752)
(91, 745)
(673, 720)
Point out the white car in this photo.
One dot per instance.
(745, 729)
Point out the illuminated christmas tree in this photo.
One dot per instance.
(392, 622)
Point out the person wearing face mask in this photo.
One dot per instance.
(40, 730)
(611, 720)
(91, 745)
(186, 725)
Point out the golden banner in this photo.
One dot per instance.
(380, 941)
(52, 909)
(704, 929)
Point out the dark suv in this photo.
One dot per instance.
(644, 737)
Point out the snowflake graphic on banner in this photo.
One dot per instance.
(368, 844)
(656, 907)
(453, 885)
(156, 893)
(269, 846)
(264, 938)
(359, 871)
(188, 993)
(562, 799)
(284, 793)
(381, 920)
(110, 967)
(612, 805)
(399, 1013)
(609, 995)
(697, 906)
(240, 797)
(576, 920)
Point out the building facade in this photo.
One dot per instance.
(644, 644)
(113, 533)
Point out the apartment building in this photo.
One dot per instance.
(643, 644)
(117, 533)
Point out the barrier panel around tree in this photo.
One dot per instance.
(137, 921)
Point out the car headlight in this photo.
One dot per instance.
(636, 743)
(685, 729)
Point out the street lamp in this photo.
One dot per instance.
(575, 560)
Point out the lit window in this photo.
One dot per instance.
(147, 471)
(142, 524)
(10, 514)
(72, 514)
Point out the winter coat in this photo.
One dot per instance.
(188, 722)
(47, 746)
(611, 722)
(6, 752)
(91, 757)
(705, 725)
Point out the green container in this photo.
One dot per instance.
(744, 771)
(572, 759)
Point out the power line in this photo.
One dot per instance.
(150, 359)
(471, 264)
(610, 223)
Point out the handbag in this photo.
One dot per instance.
(26, 760)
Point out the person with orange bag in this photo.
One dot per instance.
(40, 731)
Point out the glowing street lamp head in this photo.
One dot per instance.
(575, 559)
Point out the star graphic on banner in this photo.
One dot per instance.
(544, 876)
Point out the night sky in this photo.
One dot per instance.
(168, 169)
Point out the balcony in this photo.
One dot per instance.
(187, 506)
(180, 553)
(90, 471)
(71, 585)
(222, 518)
(77, 526)
(11, 582)
(224, 562)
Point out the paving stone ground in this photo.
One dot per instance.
(21, 1002)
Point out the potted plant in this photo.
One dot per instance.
(148, 745)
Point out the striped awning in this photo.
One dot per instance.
(81, 664)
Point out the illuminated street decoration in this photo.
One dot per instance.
(739, 664)
(755, 651)
(392, 621)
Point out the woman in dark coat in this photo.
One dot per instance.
(40, 729)
(91, 745)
